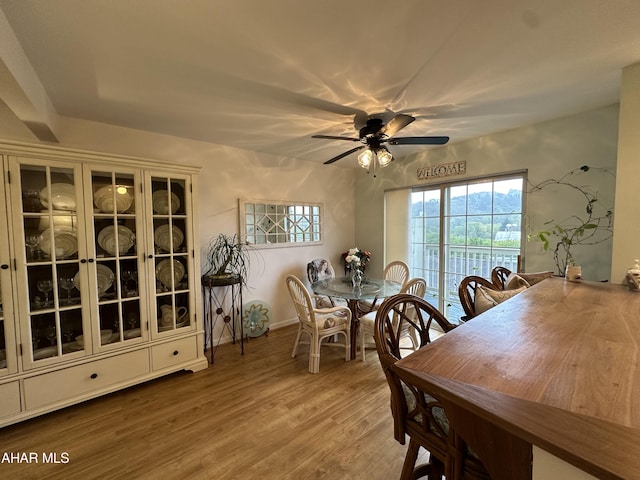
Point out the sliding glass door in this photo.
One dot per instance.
(464, 229)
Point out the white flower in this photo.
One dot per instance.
(353, 259)
(353, 251)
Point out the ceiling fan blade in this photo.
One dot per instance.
(396, 124)
(331, 137)
(342, 155)
(418, 141)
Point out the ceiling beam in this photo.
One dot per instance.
(21, 89)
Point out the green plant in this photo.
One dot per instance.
(593, 226)
(226, 256)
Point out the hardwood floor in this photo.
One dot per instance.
(257, 416)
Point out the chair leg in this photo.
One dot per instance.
(410, 460)
(347, 341)
(314, 355)
(437, 468)
(414, 339)
(297, 342)
(363, 342)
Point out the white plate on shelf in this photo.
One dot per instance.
(107, 239)
(104, 276)
(163, 272)
(162, 238)
(103, 199)
(65, 239)
(62, 196)
(160, 199)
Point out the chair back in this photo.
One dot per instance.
(396, 271)
(416, 286)
(320, 269)
(416, 412)
(301, 299)
(499, 276)
(411, 409)
(467, 293)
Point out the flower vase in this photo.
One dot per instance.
(356, 277)
(573, 273)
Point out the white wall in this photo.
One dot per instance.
(546, 150)
(626, 246)
(228, 174)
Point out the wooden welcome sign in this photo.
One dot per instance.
(443, 170)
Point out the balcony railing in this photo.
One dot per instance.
(461, 261)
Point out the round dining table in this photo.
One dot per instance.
(370, 289)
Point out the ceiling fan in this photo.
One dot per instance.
(375, 134)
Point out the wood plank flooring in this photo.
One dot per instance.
(258, 416)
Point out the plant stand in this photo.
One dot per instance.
(222, 300)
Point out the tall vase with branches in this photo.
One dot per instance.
(592, 226)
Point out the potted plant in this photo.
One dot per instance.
(591, 227)
(226, 261)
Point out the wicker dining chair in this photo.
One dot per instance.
(321, 269)
(415, 286)
(396, 271)
(318, 323)
(417, 413)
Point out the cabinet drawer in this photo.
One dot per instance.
(9, 399)
(71, 382)
(174, 353)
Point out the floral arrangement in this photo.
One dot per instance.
(355, 258)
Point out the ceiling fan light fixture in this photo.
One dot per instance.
(365, 158)
(384, 157)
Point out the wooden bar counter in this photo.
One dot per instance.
(556, 366)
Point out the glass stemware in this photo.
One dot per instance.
(68, 335)
(35, 339)
(45, 286)
(132, 319)
(66, 283)
(32, 240)
(127, 275)
(51, 334)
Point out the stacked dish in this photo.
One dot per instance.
(163, 272)
(160, 200)
(62, 196)
(163, 240)
(107, 239)
(104, 276)
(64, 240)
(61, 218)
(104, 199)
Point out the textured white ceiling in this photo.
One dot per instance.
(266, 75)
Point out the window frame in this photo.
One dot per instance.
(447, 301)
(277, 214)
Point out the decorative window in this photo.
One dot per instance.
(276, 224)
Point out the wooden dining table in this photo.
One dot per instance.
(556, 367)
(342, 287)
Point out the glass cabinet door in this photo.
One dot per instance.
(8, 359)
(117, 240)
(171, 232)
(51, 233)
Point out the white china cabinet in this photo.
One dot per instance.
(99, 276)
